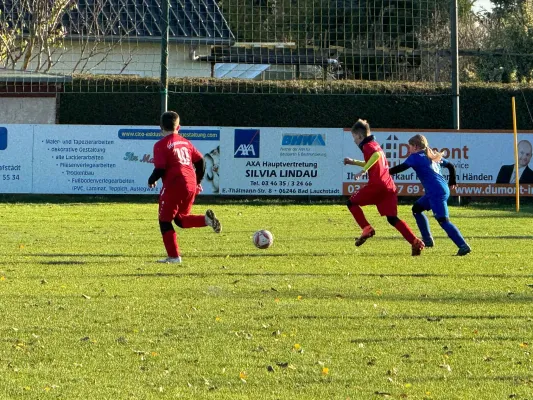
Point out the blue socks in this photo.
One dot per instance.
(453, 233)
(449, 228)
(423, 225)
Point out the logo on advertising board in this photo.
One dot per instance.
(303, 140)
(3, 138)
(391, 149)
(246, 143)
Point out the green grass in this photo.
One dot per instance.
(87, 314)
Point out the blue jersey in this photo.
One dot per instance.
(429, 173)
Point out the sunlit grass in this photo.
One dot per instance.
(88, 314)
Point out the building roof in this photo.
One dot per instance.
(191, 21)
(11, 75)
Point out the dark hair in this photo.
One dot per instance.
(170, 120)
(362, 127)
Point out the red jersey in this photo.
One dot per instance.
(378, 174)
(176, 156)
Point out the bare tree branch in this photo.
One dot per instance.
(32, 34)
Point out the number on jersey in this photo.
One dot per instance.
(182, 153)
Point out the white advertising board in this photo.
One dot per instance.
(109, 159)
(479, 158)
(281, 161)
(76, 159)
(16, 143)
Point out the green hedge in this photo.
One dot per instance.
(212, 102)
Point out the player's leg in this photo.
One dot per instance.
(363, 197)
(421, 205)
(186, 220)
(440, 210)
(389, 207)
(167, 210)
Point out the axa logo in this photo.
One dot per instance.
(3, 138)
(246, 143)
(303, 140)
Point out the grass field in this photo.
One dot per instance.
(87, 314)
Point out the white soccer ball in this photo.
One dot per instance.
(263, 239)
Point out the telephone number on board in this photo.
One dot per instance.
(11, 177)
(404, 189)
(282, 183)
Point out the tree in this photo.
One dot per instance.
(510, 34)
(31, 30)
(33, 34)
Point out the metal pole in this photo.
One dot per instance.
(517, 173)
(455, 64)
(165, 16)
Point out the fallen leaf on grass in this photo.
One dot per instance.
(446, 367)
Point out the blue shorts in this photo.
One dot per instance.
(437, 204)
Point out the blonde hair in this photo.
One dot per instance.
(421, 142)
(361, 127)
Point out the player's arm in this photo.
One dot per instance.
(452, 179)
(351, 161)
(365, 165)
(198, 161)
(159, 167)
(398, 168)
(199, 167)
(157, 174)
(374, 158)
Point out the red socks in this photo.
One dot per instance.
(358, 215)
(406, 232)
(171, 244)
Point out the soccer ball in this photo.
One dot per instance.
(263, 239)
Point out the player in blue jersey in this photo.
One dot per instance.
(427, 164)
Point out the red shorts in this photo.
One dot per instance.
(173, 202)
(385, 199)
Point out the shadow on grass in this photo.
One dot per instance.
(82, 255)
(438, 339)
(63, 262)
(517, 379)
(435, 275)
(218, 274)
(429, 318)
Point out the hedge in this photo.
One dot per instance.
(218, 102)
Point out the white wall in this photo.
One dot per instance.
(27, 110)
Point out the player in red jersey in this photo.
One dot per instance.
(380, 190)
(181, 167)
